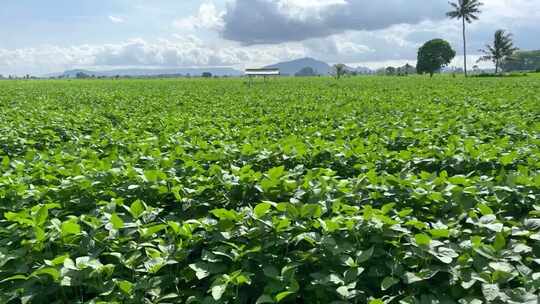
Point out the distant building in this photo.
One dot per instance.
(262, 72)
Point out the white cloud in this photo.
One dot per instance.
(208, 17)
(180, 51)
(116, 19)
(302, 10)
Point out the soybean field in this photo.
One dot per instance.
(375, 190)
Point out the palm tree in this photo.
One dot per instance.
(467, 11)
(502, 48)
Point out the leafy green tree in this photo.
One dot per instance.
(467, 11)
(502, 49)
(339, 70)
(434, 55)
(391, 71)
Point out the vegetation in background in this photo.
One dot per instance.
(433, 56)
(307, 71)
(523, 61)
(301, 190)
(339, 70)
(467, 11)
(501, 50)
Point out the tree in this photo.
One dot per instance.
(81, 75)
(500, 51)
(408, 69)
(434, 55)
(307, 71)
(467, 11)
(339, 70)
(390, 71)
(207, 75)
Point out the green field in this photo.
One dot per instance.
(364, 190)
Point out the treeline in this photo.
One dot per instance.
(523, 61)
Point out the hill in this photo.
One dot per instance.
(292, 67)
(151, 72)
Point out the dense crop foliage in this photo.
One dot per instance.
(367, 190)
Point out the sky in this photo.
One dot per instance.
(40, 37)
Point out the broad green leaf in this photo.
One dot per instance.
(39, 234)
(261, 209)
(405, 212)
(276, 173)
(387, 208)
(224, 214)
(343, 291)
(116, 221)
(496, 227)
(125, 286)
(491, 291)
(5, 161)
(484, 209)
(41, 216)
(364, 256)
(70, 228)
(282, 295)
(52, 272)
(151, 230)
(311, 210)
(444, 254)
(500, 242)
(532, 224)
(59, 260)
(265, 299)
(388, 282)
(218, 291)
(502, 266)
(440, 233)
(154, 265)
(15, 278)
(136, 209)
(201, 269)
(422, 239)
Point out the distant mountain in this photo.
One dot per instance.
(294, 66)
(151, 72)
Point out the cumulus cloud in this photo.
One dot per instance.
(45, 59)
(181, 51)
(275, 21)
(208, 17)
